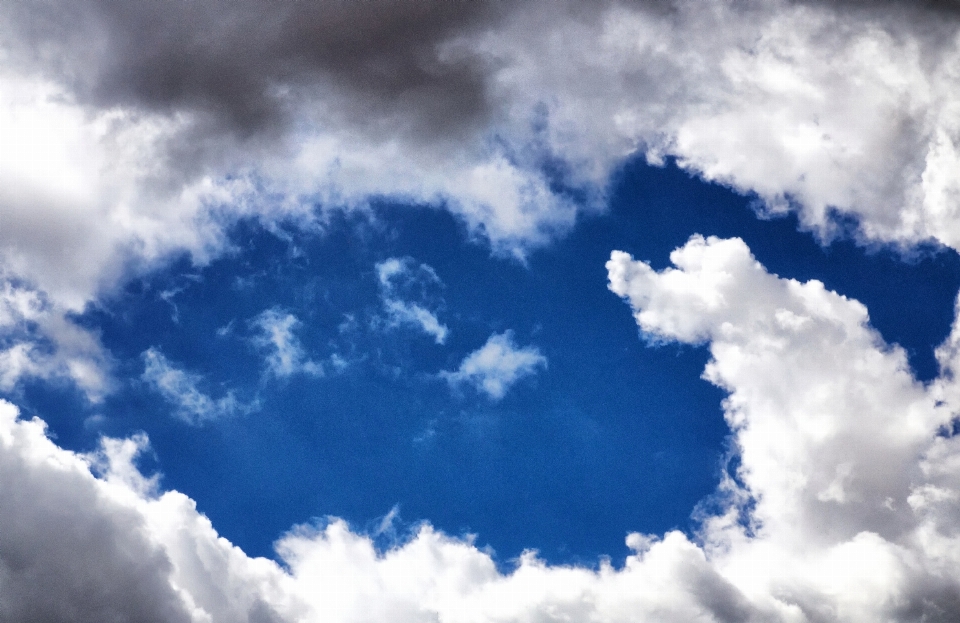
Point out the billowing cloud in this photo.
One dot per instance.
(285, 355)
(401, 278)
(119, 550)
(813, 106)
(182, 390)
(497, 365)
(845, 476)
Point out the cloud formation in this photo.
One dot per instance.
(496, 366)
(181, 389)
(845, 477)
(285, 355)
(844, 503)
(813, 106)
(37, 341)
(400, 279)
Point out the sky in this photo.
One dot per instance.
(463, 312)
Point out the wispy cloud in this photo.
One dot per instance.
(497, 365)
(285, 355)
(401, 278)
(181, 389)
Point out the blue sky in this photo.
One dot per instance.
(431, 311)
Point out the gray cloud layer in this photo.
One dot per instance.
(236, 59)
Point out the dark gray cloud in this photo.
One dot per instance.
(242, 60)
(388, 63)
(69, 553)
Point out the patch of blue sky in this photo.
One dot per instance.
(610, 435)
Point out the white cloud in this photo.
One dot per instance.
(40, 342)
(497, 365)
(406, 313)
(401, 278)
(117, 549)
(756, 95)
(837, 442)
(180, 389)
(285, 353)
(814, 106)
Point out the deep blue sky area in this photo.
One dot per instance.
(613, 436)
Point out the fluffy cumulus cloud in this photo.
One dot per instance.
(497, 365)
(185, 117)
(401, 280)
(844, 505)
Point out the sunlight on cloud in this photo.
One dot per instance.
(510, 115)
(836, 440)
(496, 366)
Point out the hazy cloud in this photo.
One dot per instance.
(497, 365)
(38, 341)
(400, 280)
(285, 354)
(181, 389)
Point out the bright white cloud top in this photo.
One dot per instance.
(845, 501)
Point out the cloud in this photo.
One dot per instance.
(37, 341)
(400, 278)
(63, 529)
(497, 365)
(838, 445)
(285, 355)
(118, 549)
(185, 116)
(180, 389)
